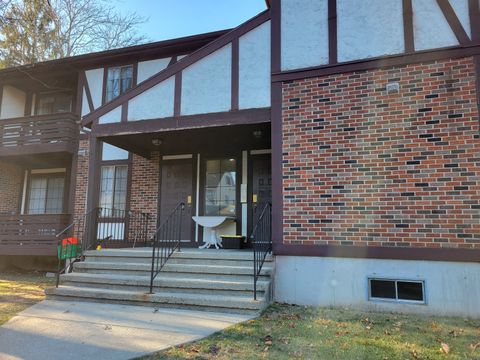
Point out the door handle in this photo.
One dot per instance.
(254, 198)
(189, 200)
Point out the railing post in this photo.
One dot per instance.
(153, 264)
(180, 228)
(254, 267)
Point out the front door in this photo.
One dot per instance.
(177, 186)
(261, 187)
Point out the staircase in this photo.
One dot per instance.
(215, 280)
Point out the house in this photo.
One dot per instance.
(357, 120)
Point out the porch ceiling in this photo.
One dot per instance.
(203, 140)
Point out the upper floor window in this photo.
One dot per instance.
(119, 80)
(53, 103)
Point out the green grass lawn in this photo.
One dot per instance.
(19, 291)
(289, 332)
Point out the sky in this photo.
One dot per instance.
(168, 19)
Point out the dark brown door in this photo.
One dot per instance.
(261, 187)
(177, 186)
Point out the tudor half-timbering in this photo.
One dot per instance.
(357, 120)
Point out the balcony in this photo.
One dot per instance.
(31, 234)
(38, 134)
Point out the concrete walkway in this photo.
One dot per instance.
(80, 330)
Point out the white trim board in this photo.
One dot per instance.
(48, 171)
(177, 157)
(260, 152)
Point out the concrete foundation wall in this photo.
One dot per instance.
(450, 288)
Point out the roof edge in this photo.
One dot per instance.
(107, 54)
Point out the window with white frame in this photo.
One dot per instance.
(220, 187)
(45, 194)
(113, 188)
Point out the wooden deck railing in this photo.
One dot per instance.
(31, 234)
(35, 134)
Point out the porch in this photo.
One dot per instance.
(214, 171)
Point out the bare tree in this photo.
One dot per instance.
(68, 27)
(94, 25)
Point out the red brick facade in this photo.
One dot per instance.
(81, 180)
(365, 167)
(11, 179)
(144, 188)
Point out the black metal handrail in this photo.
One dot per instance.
(166, 240)
(98, 226)
(261, 242)
(77, 229)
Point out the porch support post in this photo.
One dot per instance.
(94, 158)
(72, 181)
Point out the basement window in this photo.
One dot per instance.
(396, 290)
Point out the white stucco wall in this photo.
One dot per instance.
(304, 33)
(154, 103)
(85, 107)
(95, 83)
(149, 68)
(206, 85)
(13, 102)
(461, 9)
(431, 29)
(451, 288)
(254, 68)
(369, 28)
(366, 28)
(113, 116)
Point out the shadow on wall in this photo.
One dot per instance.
(39, 263)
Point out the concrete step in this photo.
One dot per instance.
(163, 283)
(145, 254)
(194, 271)
(240, 304)
(172, 260)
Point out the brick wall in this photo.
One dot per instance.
(144, 186)
(81, 180)
(145, 183)
(11, 179)
(364, 167)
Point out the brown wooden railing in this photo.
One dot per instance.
(48, 133)
(31, 234)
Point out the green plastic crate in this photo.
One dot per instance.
(68, 250)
